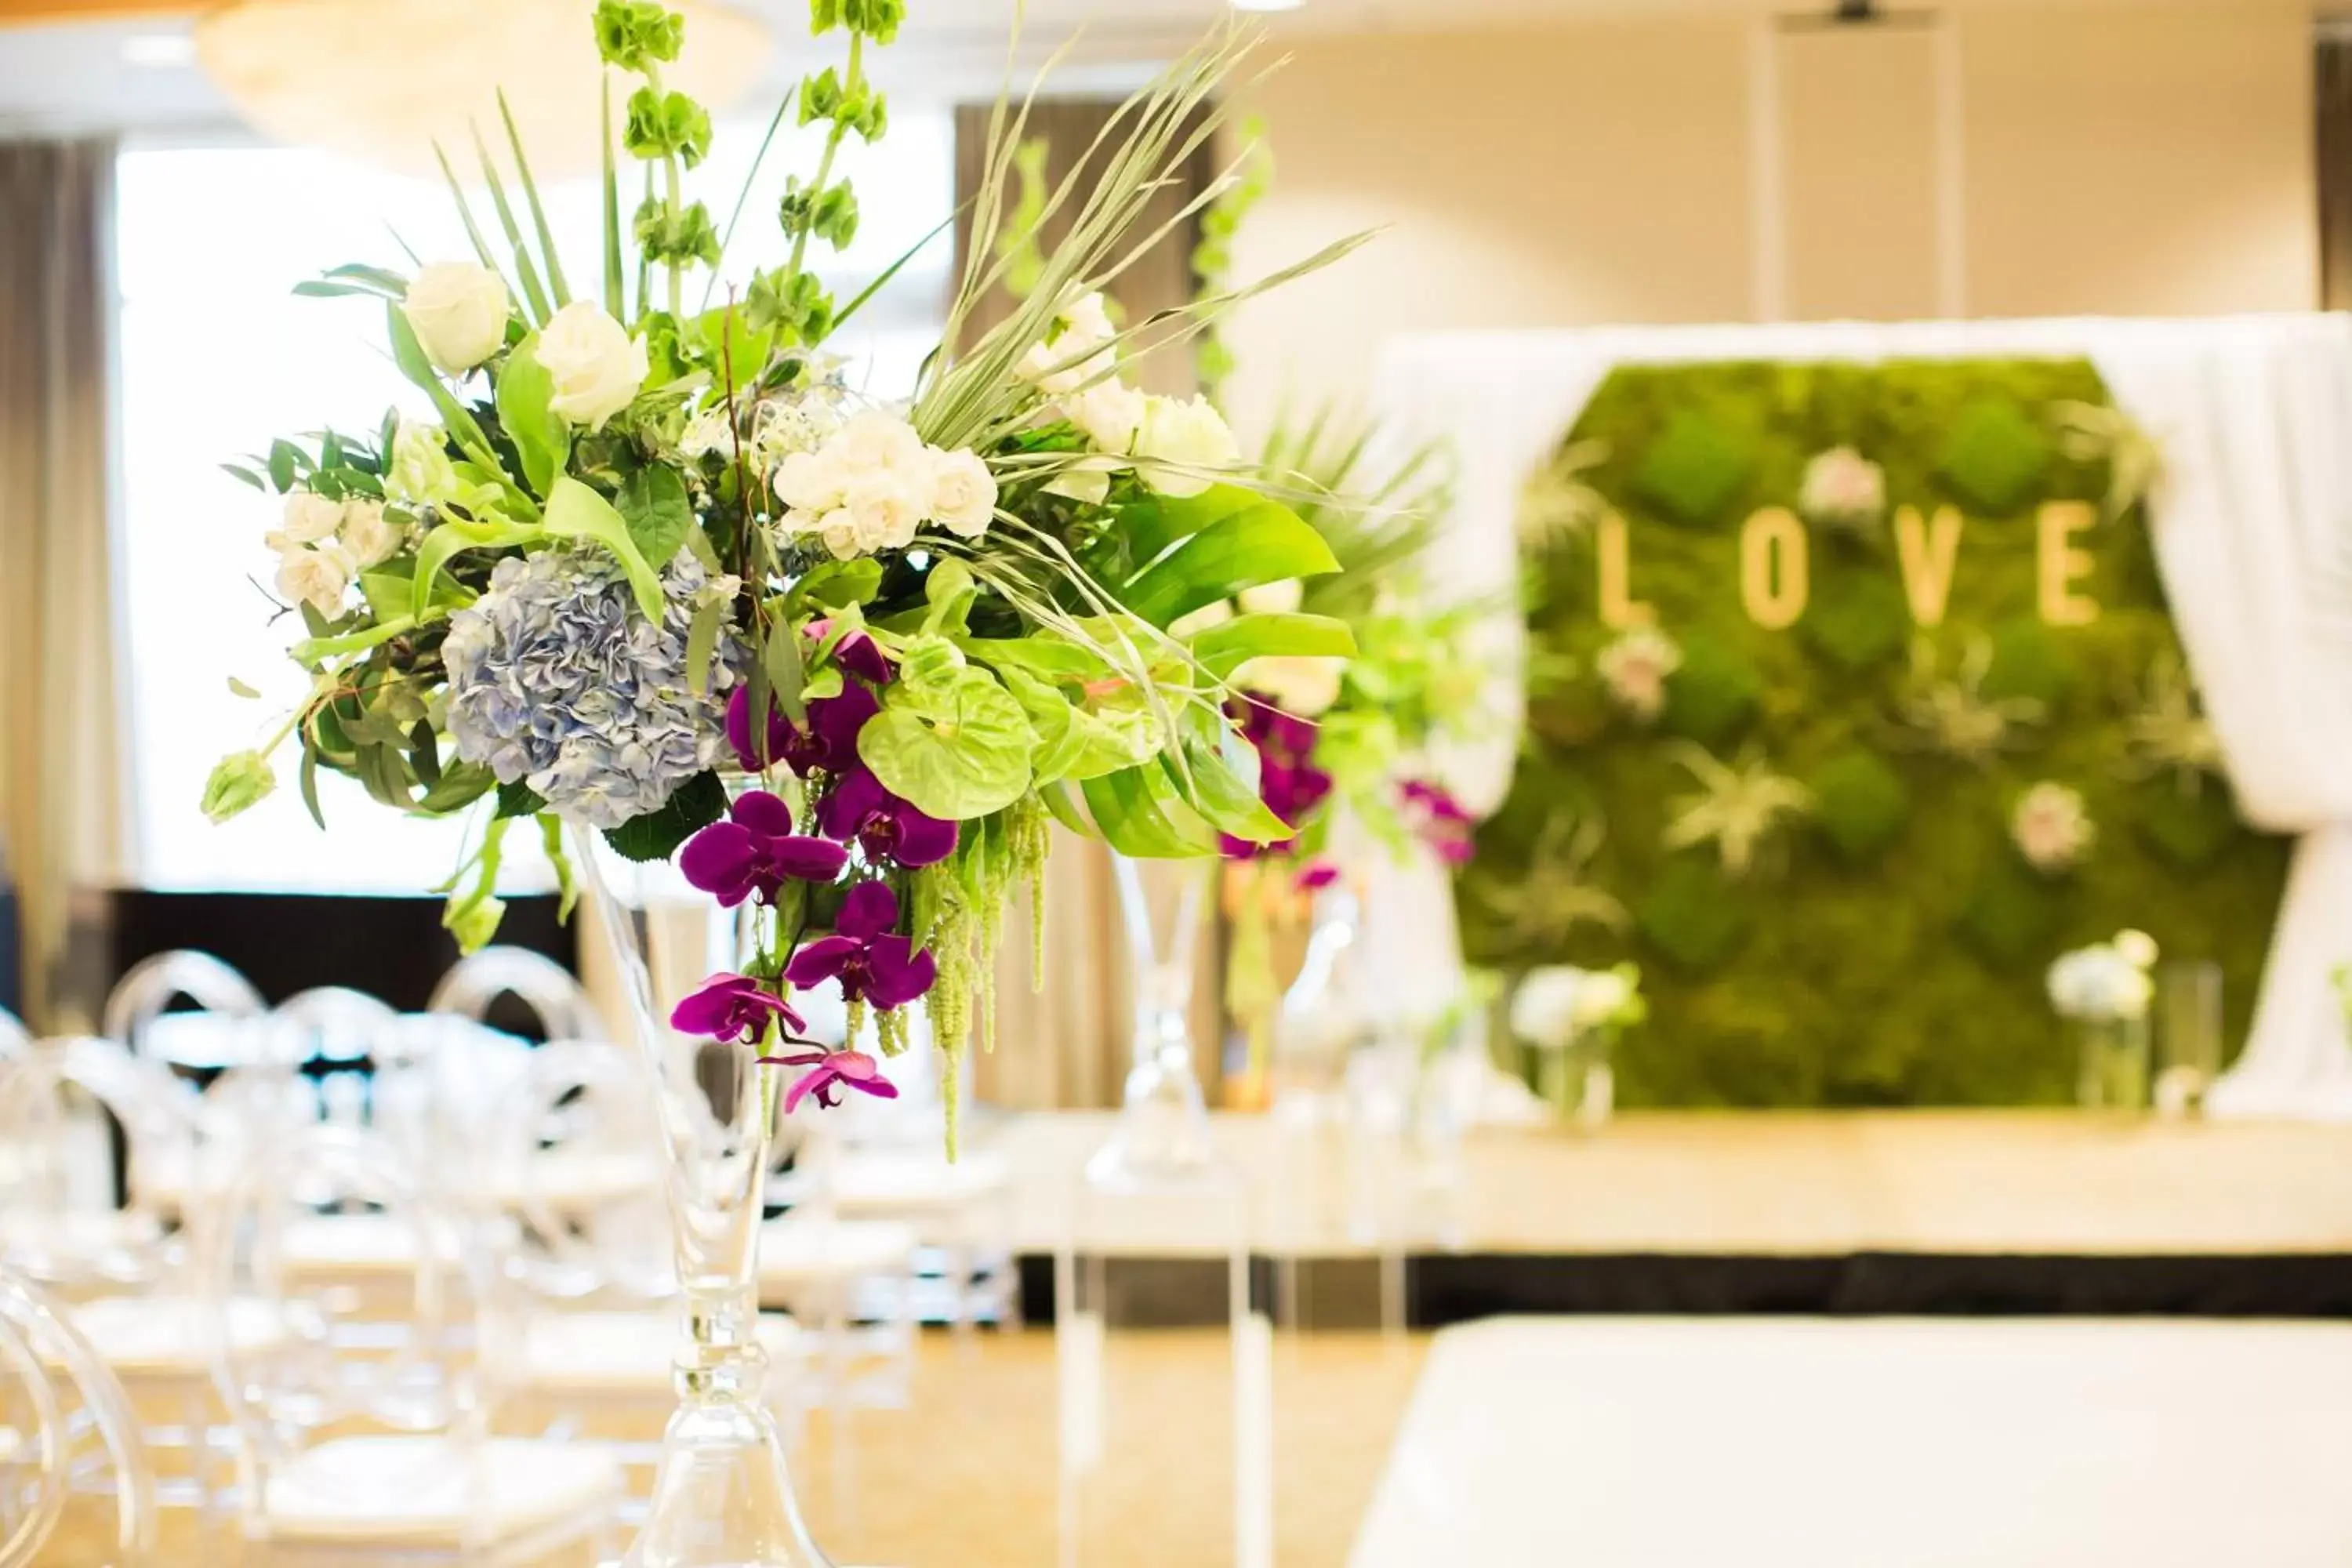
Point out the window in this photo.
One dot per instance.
(217, 356)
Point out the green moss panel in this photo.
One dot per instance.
(1889, 950)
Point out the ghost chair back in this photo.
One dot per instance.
(63, 1227)
(228, 1038)
(71, 1431)
(552, 992)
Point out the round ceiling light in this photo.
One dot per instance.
(382, 80)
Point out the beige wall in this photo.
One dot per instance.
(2154, 161)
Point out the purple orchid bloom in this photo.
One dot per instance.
(830, 1072)
(885, 826)
(856, 654)
(1316, 876)
(755, 851)
(1439, 819)
(872, 963)
(829, 741)
(733, 1007)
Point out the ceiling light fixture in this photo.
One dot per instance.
(159, 49)
(383, 80)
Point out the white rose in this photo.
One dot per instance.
(885, 508)
(839, 532)
(1298, 683)
(1110, 413)
(597, 366)
(2137, 948)
(1281, 598)
(963, 493)
(315, 575)
(368, 536)
(458, 312)
(1078, 353)
(878, 440)
(1543, 1009)
(1088, 318)
(809, 481)
(421, 470)
(309, 518)
(1191, 434)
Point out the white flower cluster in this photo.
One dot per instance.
(323, 545)
(1635, 669)
(873, 482)
(1176, 444)
(778, 428)
(1843, 489)
(2051, 829)
(460, 312)
(2107, 981)
(1555, 1004)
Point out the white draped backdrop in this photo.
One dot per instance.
(2254, 536)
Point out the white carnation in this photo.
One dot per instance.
(597, 366)
(877, 439)
(459, 312)
(1079, 351)
(368, 536)
(963, 493)
(885, 508)
(307, 519)
(316, 576)
(1111, 414)
(810, 482)
(1179, 439)
(838, 529)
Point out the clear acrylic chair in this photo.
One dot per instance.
(62, 1226)
(67, 1432)
(365, 1425)
(551, 992)
(136, 1007)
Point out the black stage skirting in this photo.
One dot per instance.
(1455, 1288)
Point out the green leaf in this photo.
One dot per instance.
(311, 788)
(524, 270)
(949, 591)
(1223, 648)
(696, 803)
(460, 784)
(1228, 796)
(1128, 812)
(653, 503)
(834, 583)
(1052, 657)
(444, 545)
(1148, 525)
(616, 304)
(239, 689)
(954, 743)
(541, 437)
(409, 355)
(240, 470)
(567, 885)
(518, 799)
(780, 659)
(575, 511)
(1264, 545)
(702, 642)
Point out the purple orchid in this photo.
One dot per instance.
(1288, 782)
(830, 1072)
(1316, 876)
(829, 741)
(856, 654)
(872, 963)
(755, 851)
(885, 826)
(1433, 812)
(733, 1007)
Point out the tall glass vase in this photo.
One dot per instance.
(722, 1497)
(2112, 1066)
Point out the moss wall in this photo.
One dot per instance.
(1888, 948)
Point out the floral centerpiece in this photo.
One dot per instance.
(1573, 1018)
(2105, 990)
(654, 572)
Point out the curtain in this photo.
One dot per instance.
(2332, 99)
(2254, 536)
(62, 790)
(1067, 1043)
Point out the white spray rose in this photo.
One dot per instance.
(839, 532)
(597, 366)
(810, 482)
(1543, 1009)
(368, 536)
(459, 312)
(1079, 351)
(309, 518)
(877, 439)
(421, 473)
(1281, 598)
(316, 576)
(1191, 434)
(1111, 414)
(886, 508)
(963, 493)
(1302, 684)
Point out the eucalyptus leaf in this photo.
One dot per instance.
(702, 642)
(787, 676)
(955, 746)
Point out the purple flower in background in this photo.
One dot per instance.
(733, 1007)
(1439, 819)
(1289, 784)
(829, 1072)
(829, 741)
(755, 851)
(1316, 877)
(885, 826)
(873, 964)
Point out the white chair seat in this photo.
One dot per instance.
(423, 1491)
(805, 1251)
(621, 1354)
(168, 1336)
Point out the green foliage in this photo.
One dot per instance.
(666, 125)
(1694, 470)
(1860, 803)
(1995, 454)
(949, 738)
(635, 33)
(1858, 620)
(1897, 956)
(696, 803)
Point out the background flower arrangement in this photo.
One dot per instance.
(657, 572)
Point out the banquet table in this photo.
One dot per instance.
(1656, 1443)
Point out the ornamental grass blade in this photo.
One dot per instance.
(556, 287)
(529, 274)
(465, 214)
(616, 303)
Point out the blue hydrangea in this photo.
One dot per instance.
(556, 679)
